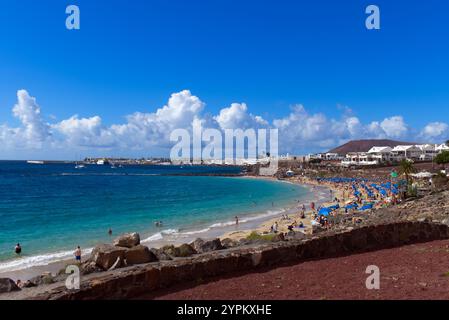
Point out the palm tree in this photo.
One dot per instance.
(406, 168)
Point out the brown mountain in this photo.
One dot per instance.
(365, 145)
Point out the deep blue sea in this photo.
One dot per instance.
(52, 208)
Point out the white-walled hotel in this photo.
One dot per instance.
(379, 155)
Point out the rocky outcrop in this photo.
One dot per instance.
(45, 278)
(184, 250)
(127, 240)
(138, 255)
(106, 255)
(8, 285)
(202, 246)
(160, 254)
(229, 243)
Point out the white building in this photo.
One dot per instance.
(406, 153)
(359, 159)
(381, 154)
(441, 148)
(428, 152)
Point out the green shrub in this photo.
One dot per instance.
(442, 158)
(265, 237)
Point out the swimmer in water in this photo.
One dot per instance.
(18, 249)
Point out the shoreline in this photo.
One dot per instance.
(219, 229)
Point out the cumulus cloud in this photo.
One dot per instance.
(394, 127)
(33, 132)
(299, 131)
(436, 130)
(237, 117)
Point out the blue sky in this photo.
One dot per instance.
(131, 56)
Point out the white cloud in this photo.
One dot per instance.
(299, 131)
(237, 116)
(394, 127)
(436, 130)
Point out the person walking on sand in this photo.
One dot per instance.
(18, 249)
(77, 254)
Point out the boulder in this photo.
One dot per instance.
(45, 278)
(185, 250)
(8, 285)
(28, 284)
(202, 246)
(106, 255)
(170, 250)
(139, 254)
(229, 243)
(160, 255)
(127, 240)
(197, 244)
(89, 267)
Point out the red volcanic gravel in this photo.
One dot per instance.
(418, 271)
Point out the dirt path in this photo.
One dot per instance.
(411, 272)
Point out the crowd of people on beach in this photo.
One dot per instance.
(347, 196)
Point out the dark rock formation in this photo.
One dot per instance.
(45, 278)
(160, 254)
(202, 246)
(185, 250)
(229, 243)
(8, 285)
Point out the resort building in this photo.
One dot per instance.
(381, 154)
(359, 159)
(428, 152)
(441, 148)
(406, 153)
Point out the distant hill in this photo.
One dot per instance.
(366, 145)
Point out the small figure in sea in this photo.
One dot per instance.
(77, 254)
(18, 249)
(110, 232)
(236, 220)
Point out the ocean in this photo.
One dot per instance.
(52, 208)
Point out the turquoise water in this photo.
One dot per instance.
(52, 208)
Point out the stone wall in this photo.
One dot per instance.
(133, 281)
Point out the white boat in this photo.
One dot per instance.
(80, 166)
(102, 162)
(35, 162)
